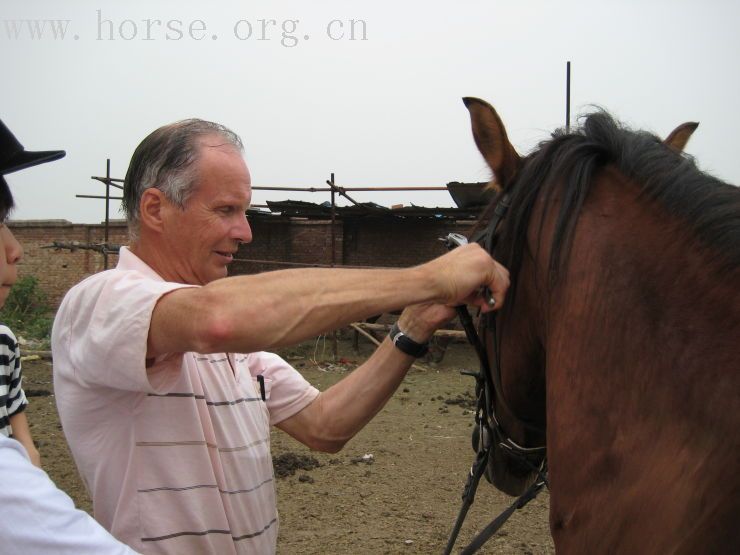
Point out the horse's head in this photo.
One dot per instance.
(517, 352)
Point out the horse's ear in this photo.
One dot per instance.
(678, 138)
(490, 136)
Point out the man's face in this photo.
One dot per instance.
(11, 254)
(201, 240)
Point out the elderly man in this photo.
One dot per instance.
(167, 422)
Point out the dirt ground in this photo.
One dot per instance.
(395, 488)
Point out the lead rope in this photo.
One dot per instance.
(486, 435)
(481, 458)
(485, 534)
(476, 471)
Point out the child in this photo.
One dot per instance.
(38, 518)
(13, 422)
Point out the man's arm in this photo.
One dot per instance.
(22, 433)
(264, 311)
(341, 411)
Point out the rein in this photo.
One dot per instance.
(488, 428)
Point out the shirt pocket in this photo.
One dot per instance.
(262, 387)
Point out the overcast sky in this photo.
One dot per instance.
(383, 109)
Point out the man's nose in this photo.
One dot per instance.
(243, 231)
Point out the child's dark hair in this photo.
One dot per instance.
(6, 200)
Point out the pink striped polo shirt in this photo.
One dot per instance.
(177, 460)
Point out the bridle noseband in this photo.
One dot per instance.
(489, 389)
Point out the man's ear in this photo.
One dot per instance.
(152, 209)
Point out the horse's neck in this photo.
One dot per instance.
(641, 345)
(639, 291)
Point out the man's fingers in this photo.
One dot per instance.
(491, 297)
(482, 301)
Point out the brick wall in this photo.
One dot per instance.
(58, 270)
(358, 242)
(397, 243)
(278, 239)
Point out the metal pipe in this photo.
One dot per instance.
(333, 220)
(328, 189)
(305, 189)
(395, 188)
(307, 265)
(113, 181)
(107, 212)
(98, 197)
(567, 98)
(334, 347)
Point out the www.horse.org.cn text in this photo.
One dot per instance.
(288, 33)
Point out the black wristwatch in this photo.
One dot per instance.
(407, 345)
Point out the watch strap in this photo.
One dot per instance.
(407, 345)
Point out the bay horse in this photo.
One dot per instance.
(619, 343)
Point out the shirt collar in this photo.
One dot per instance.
(129, 261)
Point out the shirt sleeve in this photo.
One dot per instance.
(101, 331)
(39, 518)
(287, 391)
(10, 367)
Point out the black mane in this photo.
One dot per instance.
(572, 159)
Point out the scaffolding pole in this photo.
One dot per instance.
(107, 212)
(334, 344)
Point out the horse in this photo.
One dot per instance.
(618, 346)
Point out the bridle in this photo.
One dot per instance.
(489, 391)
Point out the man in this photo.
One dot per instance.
(38, 518)
(169, 427)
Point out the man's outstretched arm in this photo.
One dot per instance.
(264, 311)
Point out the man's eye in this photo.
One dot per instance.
(227, 209)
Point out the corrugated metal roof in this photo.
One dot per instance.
(470, 198)
(310, 210)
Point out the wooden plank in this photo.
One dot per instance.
(453, 334)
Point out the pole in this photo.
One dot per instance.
(333, 219)
(107, 213)
(567, 98)
(103, 197)
(357, 189)
(334, 347)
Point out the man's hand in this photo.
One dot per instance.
(465, 271)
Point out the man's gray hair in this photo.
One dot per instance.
(165, 160)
